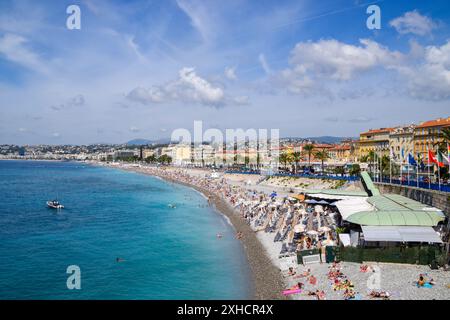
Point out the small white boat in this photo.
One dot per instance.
(54, 204)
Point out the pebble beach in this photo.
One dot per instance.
(270, 274)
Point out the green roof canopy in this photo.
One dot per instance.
(396, 218)
(369, 183)
(337, 192)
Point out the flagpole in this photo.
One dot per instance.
(401, 173)
(429, 177)
(439, 172)
(381, 166)
(390, 167)
(439, 176)
(448, 158)
(417, 173)
(408, 171)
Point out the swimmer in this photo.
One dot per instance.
(219, 235)
(119, 260)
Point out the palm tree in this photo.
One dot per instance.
(297, 157)
(442, 145)
(284, 159)
(322, 156)
(309, 149)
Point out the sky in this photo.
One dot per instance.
(141, 69)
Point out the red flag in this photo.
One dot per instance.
(432, 158)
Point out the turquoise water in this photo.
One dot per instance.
(169, 253)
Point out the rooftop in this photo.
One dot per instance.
(435, 123)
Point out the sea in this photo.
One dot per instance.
(121, 235)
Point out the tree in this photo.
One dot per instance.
(297, 157)
(309, 149)
(150, 159)
(442, 145)
(284, 159)
(355, 170)
(322, 156)
(339, 170)
(384, 165)
(165, 159)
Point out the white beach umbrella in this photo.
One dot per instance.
(299, 228)
(312, 233)
(324, 229)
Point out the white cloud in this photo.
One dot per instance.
(413, 22)
(199, 17)
(56, 135)
(242, 100)
(188, 88)
(145, 96)
(76, 101)
(430, 79)
(316, 67)
(339, 61)
(262, 60)
(197, 88)
(134, 129)
(230, 73)
(14, 48)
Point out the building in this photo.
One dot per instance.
(401, 143)
(428, 134)
(180, 154)
(203, 155)
(376, 140)
(340, 154)
(124, 154)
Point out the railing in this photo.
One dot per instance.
(299, 175)
(413, 183)
(322, 176)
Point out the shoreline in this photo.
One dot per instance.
(267, 281)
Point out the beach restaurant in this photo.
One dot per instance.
(370, 219)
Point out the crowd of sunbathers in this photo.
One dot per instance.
(341, 282)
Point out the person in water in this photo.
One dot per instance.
(119, 259)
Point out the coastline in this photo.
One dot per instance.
(267, 280)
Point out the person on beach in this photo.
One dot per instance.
(291, 272)
(298, 286)
(421, 281)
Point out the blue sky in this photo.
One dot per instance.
(145, 68)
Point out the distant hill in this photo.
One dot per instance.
(143, 142)
(138, 142)
(328, 139)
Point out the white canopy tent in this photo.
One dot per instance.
(353, 205)
(400, 234)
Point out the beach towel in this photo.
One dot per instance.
(291, 291)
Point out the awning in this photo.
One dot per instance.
(400, 234)
(351, 206)
(344, 239)
(396, 218)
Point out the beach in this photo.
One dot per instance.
(263, 216)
